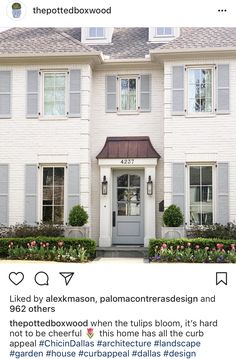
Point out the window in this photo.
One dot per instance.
(128, 195)
(128, 94)
(96, 32)
(200, 90)
(54, 94)
(164, 31)
(201, 205)
(53, 195)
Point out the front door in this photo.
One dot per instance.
(128, 207)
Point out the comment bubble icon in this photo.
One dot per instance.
(41, 278)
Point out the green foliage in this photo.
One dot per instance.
(16, 6)
(78, 216)
(216, 230)
(23, 230)
(198, 250)
(45, 248)
(172, 216)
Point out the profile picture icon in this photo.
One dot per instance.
(16, 10)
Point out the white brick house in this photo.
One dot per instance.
(130, 107)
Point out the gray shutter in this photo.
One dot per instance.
(31, 200)
(178, 186)
(111, 105)
(222, 213)
(5, 94)
(178, 90)
(222, 89)
(3, 195)
(73, 186)
(75, 93)
(145, 93)
(32, 102)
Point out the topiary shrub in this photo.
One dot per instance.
(78, 216)
(173, 216)
(16, 6)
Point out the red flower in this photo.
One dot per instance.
(90, 331)
(33, 243)
(164, 245)
(219, 246)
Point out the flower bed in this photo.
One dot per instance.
(198, 250)
(46, 248)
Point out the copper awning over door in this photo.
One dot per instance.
(128, 147)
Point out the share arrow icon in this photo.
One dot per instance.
(67, 276)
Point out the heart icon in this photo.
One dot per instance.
(16, 278)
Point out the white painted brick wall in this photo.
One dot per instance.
(24, 139)
(112, 124)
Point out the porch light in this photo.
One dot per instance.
(149, 186)
(104, 185)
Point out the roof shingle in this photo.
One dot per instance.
(127, 43)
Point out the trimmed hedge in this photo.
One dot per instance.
(50, 242)
(23, 230)
(197, 250)
(216, 230)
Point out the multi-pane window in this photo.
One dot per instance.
(200, 90)
(164, 31)
(128, 195)
(53, 195)
(201, 205)
(54, 99)
(96, 32)
(128, 94)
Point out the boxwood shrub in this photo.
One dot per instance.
(216, 230)
(197, 250)
(47, 243)
(23, 230)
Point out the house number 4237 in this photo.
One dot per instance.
(127, 161)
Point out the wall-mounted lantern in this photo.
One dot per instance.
(104, 185)
(149, 186)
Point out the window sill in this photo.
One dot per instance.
(122, 113)
(211, 115)
(53, 118)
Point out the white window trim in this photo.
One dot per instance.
(40, 189)
(54, 117)
(138, 89)
(213, 91)
(153, 37)
(187, 190)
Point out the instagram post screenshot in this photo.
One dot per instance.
(117, 179)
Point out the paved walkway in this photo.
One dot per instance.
(95, 262)
(117, 260)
